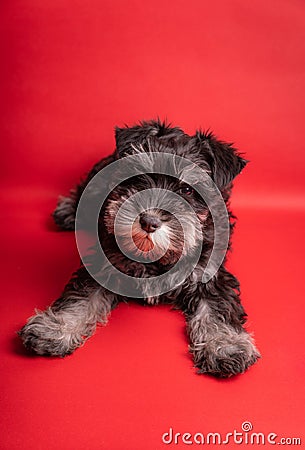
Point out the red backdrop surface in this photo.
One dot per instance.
(70, 72)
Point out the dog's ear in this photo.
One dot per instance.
(139, 134)
(224, 160)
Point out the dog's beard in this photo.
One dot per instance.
(157, 242)
(167, 244)
(176, 236)
(163, 245)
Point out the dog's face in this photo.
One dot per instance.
(157, 216)
(155, 232)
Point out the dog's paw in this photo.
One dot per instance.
(226, 366)
(45, 334)
(64, 214)
(223, 359)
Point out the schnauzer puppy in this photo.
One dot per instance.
(215, 317)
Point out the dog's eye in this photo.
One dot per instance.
(186, 190)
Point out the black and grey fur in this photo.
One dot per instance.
(215, 317)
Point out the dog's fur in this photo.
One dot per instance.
(215, 317)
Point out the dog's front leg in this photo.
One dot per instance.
(220, 345)
(71, 319)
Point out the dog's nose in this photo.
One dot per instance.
(149, 223)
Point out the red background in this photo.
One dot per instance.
(70, 72)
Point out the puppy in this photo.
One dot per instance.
(153, 219)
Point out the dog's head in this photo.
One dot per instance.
(155, 213)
